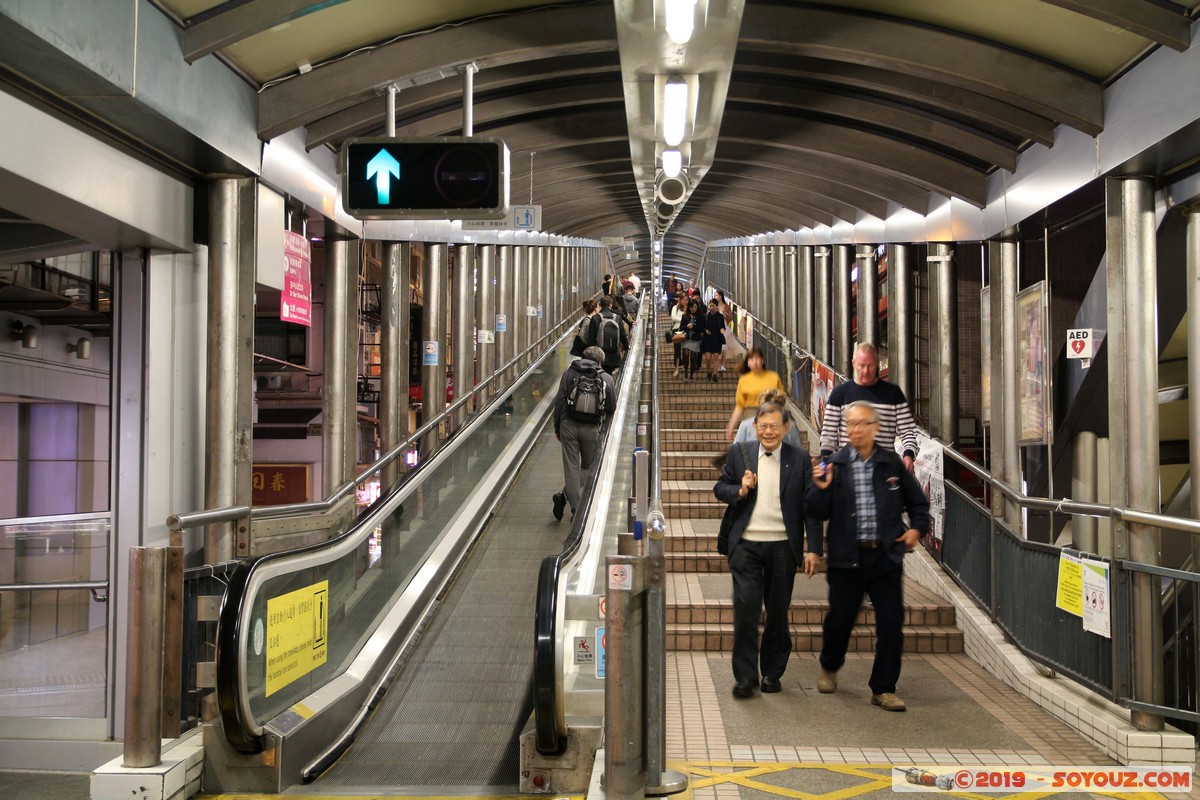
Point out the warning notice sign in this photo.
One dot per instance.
(297, 634)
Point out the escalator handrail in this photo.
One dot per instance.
(180, 522)
(550, 732)
(241, 731)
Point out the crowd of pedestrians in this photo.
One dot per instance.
(856, 506)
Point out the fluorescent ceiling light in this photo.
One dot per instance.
(681, 19)
(675, 105)
(672, 163)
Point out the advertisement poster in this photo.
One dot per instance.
(928, 471)
(295, 302)
(1031, 360)
(822, 386)
(985, 361)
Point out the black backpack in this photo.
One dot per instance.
(609, 334)
(585, 401)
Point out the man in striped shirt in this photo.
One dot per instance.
(895, 418)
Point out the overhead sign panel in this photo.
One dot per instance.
(425, 178)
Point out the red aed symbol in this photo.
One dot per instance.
(1077, 345)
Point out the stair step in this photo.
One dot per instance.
(713, 509)
(807, 638)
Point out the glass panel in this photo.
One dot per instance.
(53, 653)
(355, 591)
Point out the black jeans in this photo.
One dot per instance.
(879, 577)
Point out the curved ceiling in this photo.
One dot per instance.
(834, 110)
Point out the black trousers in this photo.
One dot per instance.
(879, 577)
(763, 575)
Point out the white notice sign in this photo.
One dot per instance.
(1096, 600)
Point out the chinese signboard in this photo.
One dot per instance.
(295, 304)
(278, 484)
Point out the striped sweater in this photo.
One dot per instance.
(894, 415)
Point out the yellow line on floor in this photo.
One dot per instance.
(293, 794)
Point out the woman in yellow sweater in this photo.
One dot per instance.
(754, 381)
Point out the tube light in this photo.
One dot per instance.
(675, 106)
(681, 20)
(672, 163)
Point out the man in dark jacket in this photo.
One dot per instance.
(863, 492)
(611, 338)
(765, 544)
(579, 432)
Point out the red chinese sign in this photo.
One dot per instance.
(295, 304)
(279, 484)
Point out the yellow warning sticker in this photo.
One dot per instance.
(1069, 596)
(297, 634)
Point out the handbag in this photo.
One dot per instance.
(670, 336)
(579, 345)
(731, 512)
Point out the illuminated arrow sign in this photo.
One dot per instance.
(379, 168)
(465, 178)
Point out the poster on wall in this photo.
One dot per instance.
(822, 386)
(1034, 402)
(985, 361)
(295, 303)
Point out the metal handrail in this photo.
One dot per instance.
(179, 522)
(14, 521)
(1065, 504)
(46, 587)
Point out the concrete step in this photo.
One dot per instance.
(699, 616)
(708, 509)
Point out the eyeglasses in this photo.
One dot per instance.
(851, 425)
(768, 427)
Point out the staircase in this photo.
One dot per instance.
(699, 612)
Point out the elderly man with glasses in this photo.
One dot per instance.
(764, 482)
(864, 491)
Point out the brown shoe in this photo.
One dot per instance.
(827, 683)
(888, 702)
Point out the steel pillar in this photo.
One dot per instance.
(463, 315)
(822, 308)
(339, 397)
(900, 319)
(1132, 344)
(943, 350)
(230, 368)
(843, 342)
(434, 272)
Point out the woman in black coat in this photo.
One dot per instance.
(692, 326)
(713, 340)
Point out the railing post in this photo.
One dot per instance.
(144, 658)
(624, 763)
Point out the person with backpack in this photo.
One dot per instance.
(629, 303)
(586, 395)
(609, 335)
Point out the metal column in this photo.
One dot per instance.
(229, 400)
(1132, 346)
(624, 764)
(463, 315)
(518, 318)
(943, 352)
(506, 312)
(433, 339)
(901, 359)
(1006, 465)
(868, 294)
(791, 302)
(485, 317)
(1193, 340)
(804, 297)
(778, 289)
(339, 406)
(843, 342)
(393, 352)
(1083, 488)
(821, 310)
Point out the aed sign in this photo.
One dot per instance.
(425, 177)
(297, 634)
(1079, 343)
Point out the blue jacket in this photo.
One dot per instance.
(896, 491)
(795, 476)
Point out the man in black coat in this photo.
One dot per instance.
(864, 492)
(766, 486)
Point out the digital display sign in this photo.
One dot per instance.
(425, 178)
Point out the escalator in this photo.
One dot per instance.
(400, 653)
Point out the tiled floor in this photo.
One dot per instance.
(799, 743)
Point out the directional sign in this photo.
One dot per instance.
(425, 178)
